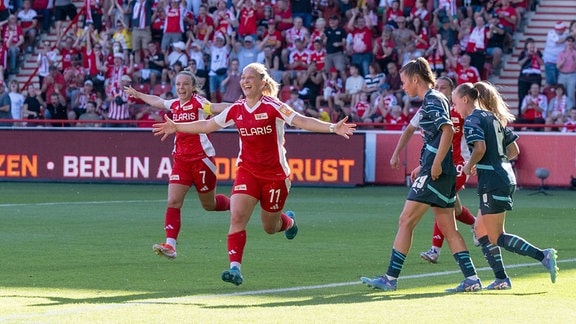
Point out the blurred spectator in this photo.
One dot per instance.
(360, 110)
(74, 77)
(496, 44)
(465, 72)
(225, 18)
(318, 33)
(219, 52)
(195, 50)
(153, 64)
(567, 67)
(271, 59)
(554, 45)
(310, 83)
(507, 15)
(95, 66)
(360, 30)
(570, 124)
(283, 15)
(558, 107)
(63, 9)
(89, 115)
(13, 38)
(157, 25)
(533, 107)
(123, 36)
(57, 109)
(247, 19)
(435, 55)
(140, 12)
(86, 94)
(296, 102)
(352, 89)
(402, 35)
(421, 33)
(4, 105)
(464, 30)
(296, 33)
(318, 55)
(372, 82)
(265, 19)
(148, 116)
(419, 11)
(174, 24)
(302, 9)
(395, 118)
(53, 83)
(204, 28)
(448, 32)
(335, 41)
(392, 13)
(385, 49)
(246, 52)
(67, 51)
(118, 106)
(531, 63)
(33, 105)
(95, 13)
(46, 58)
(411, 53)
(16, 102)
(297, 62)
(44, 8)
(393, 81)
(478, 43)
(29, 23)
(116, 71)
(272, 37)
(333, 89)
(231, 83)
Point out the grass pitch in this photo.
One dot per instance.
(82, 253)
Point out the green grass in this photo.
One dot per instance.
(82, 253)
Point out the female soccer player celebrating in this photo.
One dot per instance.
(493, 145)
(193, 157)
(434, 186)
(263, 169)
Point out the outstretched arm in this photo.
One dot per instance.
(197, 127)
(152, 100)
(315, 125)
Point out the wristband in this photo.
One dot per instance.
(332, 128)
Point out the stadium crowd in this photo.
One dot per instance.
(332, 57)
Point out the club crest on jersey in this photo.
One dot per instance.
(262, 116)
(286, 111)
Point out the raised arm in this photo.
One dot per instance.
(152, 100)
(196, 127)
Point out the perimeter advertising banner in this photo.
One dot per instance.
(79, 155)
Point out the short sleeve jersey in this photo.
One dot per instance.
(190, 147)
(433, 115)
(494, 169)
(261, 130)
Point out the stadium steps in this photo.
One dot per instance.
(30, 60)
(547, 13)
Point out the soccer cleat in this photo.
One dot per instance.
(292, 231)
(474, 238)
(500, 284)
(164, 249)
(381, 282)
(233, 275)
(549, 262)
(430, 255)
(467, 285)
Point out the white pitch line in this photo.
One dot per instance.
(67, 203)
(83, 309)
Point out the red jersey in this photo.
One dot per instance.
(247, 22)
(469, 74)
(261, 130)
(360, 108)
(190, 147)
(274, 38)
(203, 22)
(361, 40)
(67, 57)
(15, 36)
(301, 57)
(396, 123)
(506, 12)
(286, 14)
(174, 21)
(313, 37)
(319, 58)
(458, 125)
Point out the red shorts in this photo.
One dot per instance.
(461, 177)
(200, 173)
(272, 194)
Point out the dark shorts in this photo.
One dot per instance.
(439, 193)
(496, 201)
(61, 12)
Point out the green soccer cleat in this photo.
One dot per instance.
(292, 231)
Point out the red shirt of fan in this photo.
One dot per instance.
(247, 22)
(286, 14)
(15, 36)
(319, 58)
(174, 21)
(395, 123)
(190, 147)
(302, 57)
(361, 108)
(274, 38)
(90, 62)
(203, 22)
(469, 74)
(67, 57)
(261, 130)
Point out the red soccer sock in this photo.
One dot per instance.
(466, 216)
(437, 236)
(172, 222)
(287, 222)
(236, 243)
(222, 203)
